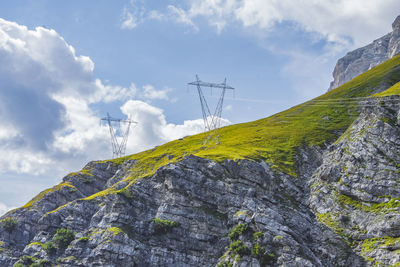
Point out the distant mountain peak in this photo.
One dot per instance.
(365, 58)
(396, 23)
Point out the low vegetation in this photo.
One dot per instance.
(42, 194)
(237, 231)
(29, 261)
(163, 226)
(243, 241)
(394, 90)
(60, 240)
(8, 224)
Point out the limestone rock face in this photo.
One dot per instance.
(356, 190)
(183, 215)
(365, 58)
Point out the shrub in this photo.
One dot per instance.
(49, 247)
(237, 231)
(163, 226)
(27, 260)
(257, 250)
(8, 224)
(63, 238)
(239, 248)
(225, 264)
(125, 192)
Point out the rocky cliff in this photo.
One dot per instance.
(315, 185)
(362, 59)
(193, 213)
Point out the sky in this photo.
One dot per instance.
(65, 64)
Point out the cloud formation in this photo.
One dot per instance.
(4, 208)
(153, 128)
(46, 98)
(335, 20)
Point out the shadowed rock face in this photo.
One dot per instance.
(362, 59)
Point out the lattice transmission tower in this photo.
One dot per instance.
(119, 136)
(212, 121)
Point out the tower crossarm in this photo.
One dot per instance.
(109, 118)
(212, 85)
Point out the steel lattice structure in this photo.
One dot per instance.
(212, 121)
(114, 125)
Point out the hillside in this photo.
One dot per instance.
(278, 138)
(272, 193)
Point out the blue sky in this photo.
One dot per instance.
(66, 63)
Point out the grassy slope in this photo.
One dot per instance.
(394, 90)
(276, 139)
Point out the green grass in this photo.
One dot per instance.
(163, 226)
(8, 224)
(394, 90)
(237, 231)
(115, 230)
(391, 205)
(47, 191)
(276, 139)
(385, 242)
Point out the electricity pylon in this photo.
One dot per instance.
(212, 121)
(118, 142)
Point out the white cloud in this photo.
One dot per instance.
(149, 92)
(128, 20)
(81, 131)
(133, 14)
(21, 160)
(335, 20)
(153, 128)
(4, 208)
(110, 93)
(181, 16)
(156, 15)
(45, 92)
(136, 13)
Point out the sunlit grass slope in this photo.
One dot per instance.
(277, 139)
(394, 90)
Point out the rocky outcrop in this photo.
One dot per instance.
(362, 59)
(356, 190)
(192, 213)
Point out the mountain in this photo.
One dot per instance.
(362, 59)
(315, 185)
